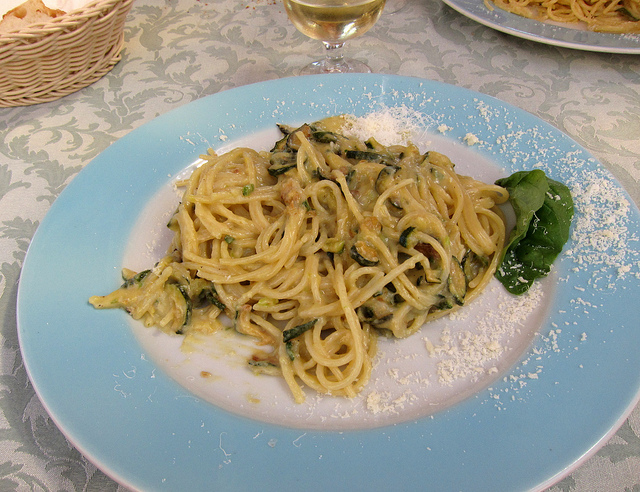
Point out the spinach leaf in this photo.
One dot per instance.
(296, 331)
(544, 209)
(527, 190)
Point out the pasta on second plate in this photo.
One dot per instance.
(315, 248)
(614, 16)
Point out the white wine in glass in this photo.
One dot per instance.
(333, 22)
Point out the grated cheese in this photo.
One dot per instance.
(467, 354)
(471, 139)
(388, 125)
(378, 402)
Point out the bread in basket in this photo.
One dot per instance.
(51, 59)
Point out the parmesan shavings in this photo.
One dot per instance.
(470, 139)
(378, 402)
(471, 353)
(602, 237)
(388, 125)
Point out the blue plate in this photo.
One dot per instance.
(555, 34)
(567, 393)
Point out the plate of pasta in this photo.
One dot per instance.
(320, 286)
(607, 27)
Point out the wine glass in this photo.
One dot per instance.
(333, 22)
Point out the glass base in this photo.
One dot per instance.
(344, 65)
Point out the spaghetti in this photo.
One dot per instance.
(316, 247)
(614, 16)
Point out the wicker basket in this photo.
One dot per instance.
(45, 62)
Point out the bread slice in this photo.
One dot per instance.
(26, 14)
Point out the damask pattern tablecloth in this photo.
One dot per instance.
(177, 51)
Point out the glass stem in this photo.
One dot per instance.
(334, 53)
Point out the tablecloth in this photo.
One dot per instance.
(177, 51)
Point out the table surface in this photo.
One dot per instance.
(177, 51)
